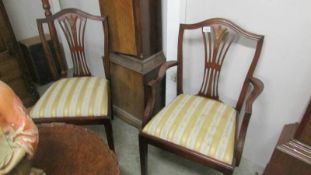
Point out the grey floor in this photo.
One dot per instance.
(160, 162)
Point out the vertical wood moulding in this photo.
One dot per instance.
(138, 28)
(148, 21)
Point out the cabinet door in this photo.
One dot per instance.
(121, 25)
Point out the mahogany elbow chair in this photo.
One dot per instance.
(201, 127)
(83, 98)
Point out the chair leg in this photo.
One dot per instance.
(143, 151)
(228, 173)
(111, 115)
(108, 129)
(111, 107)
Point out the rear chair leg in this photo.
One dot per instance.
(228, 173)
(108, 129)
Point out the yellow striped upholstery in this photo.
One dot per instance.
(73, 97)
(199, 124)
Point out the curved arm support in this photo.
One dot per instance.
(152, 90)
(258, 87)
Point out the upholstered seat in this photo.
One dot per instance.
(80, 99)
(197, 123)
(74, 97)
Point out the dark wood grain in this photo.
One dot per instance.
(290, 156)
(303, 132)
(216, 43)
(56, 44)
(129, 82)
(148, 16)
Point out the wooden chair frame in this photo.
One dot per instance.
(250, 81)
(79, 70)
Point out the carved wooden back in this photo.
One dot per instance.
(218, 35)
(72, 23)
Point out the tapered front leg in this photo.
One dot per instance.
(143, 151)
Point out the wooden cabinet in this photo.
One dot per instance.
(292, 155)
(303, 133)
(135, 30)
(12, 68)
(36, 60)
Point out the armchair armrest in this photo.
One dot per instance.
(151, 90)
(258, 87)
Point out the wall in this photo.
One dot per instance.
(284, 65)
(171, 9)
(23, 15)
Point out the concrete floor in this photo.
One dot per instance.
(160, 162)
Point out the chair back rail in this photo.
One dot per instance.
(218, 35)
(72, 23)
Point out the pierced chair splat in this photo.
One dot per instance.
(202, 127)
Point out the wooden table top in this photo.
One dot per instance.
(67, 149)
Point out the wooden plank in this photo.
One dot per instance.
(121, 25)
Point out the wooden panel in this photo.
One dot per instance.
(36, 60)
(2, 45)
(129, 77)
(149, 17)
(7, 64)
(303, 133)
(6, 32)
(121, 25)
(290, 157)
(127, 90)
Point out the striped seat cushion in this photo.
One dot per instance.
(73, 97)
(199, 124)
